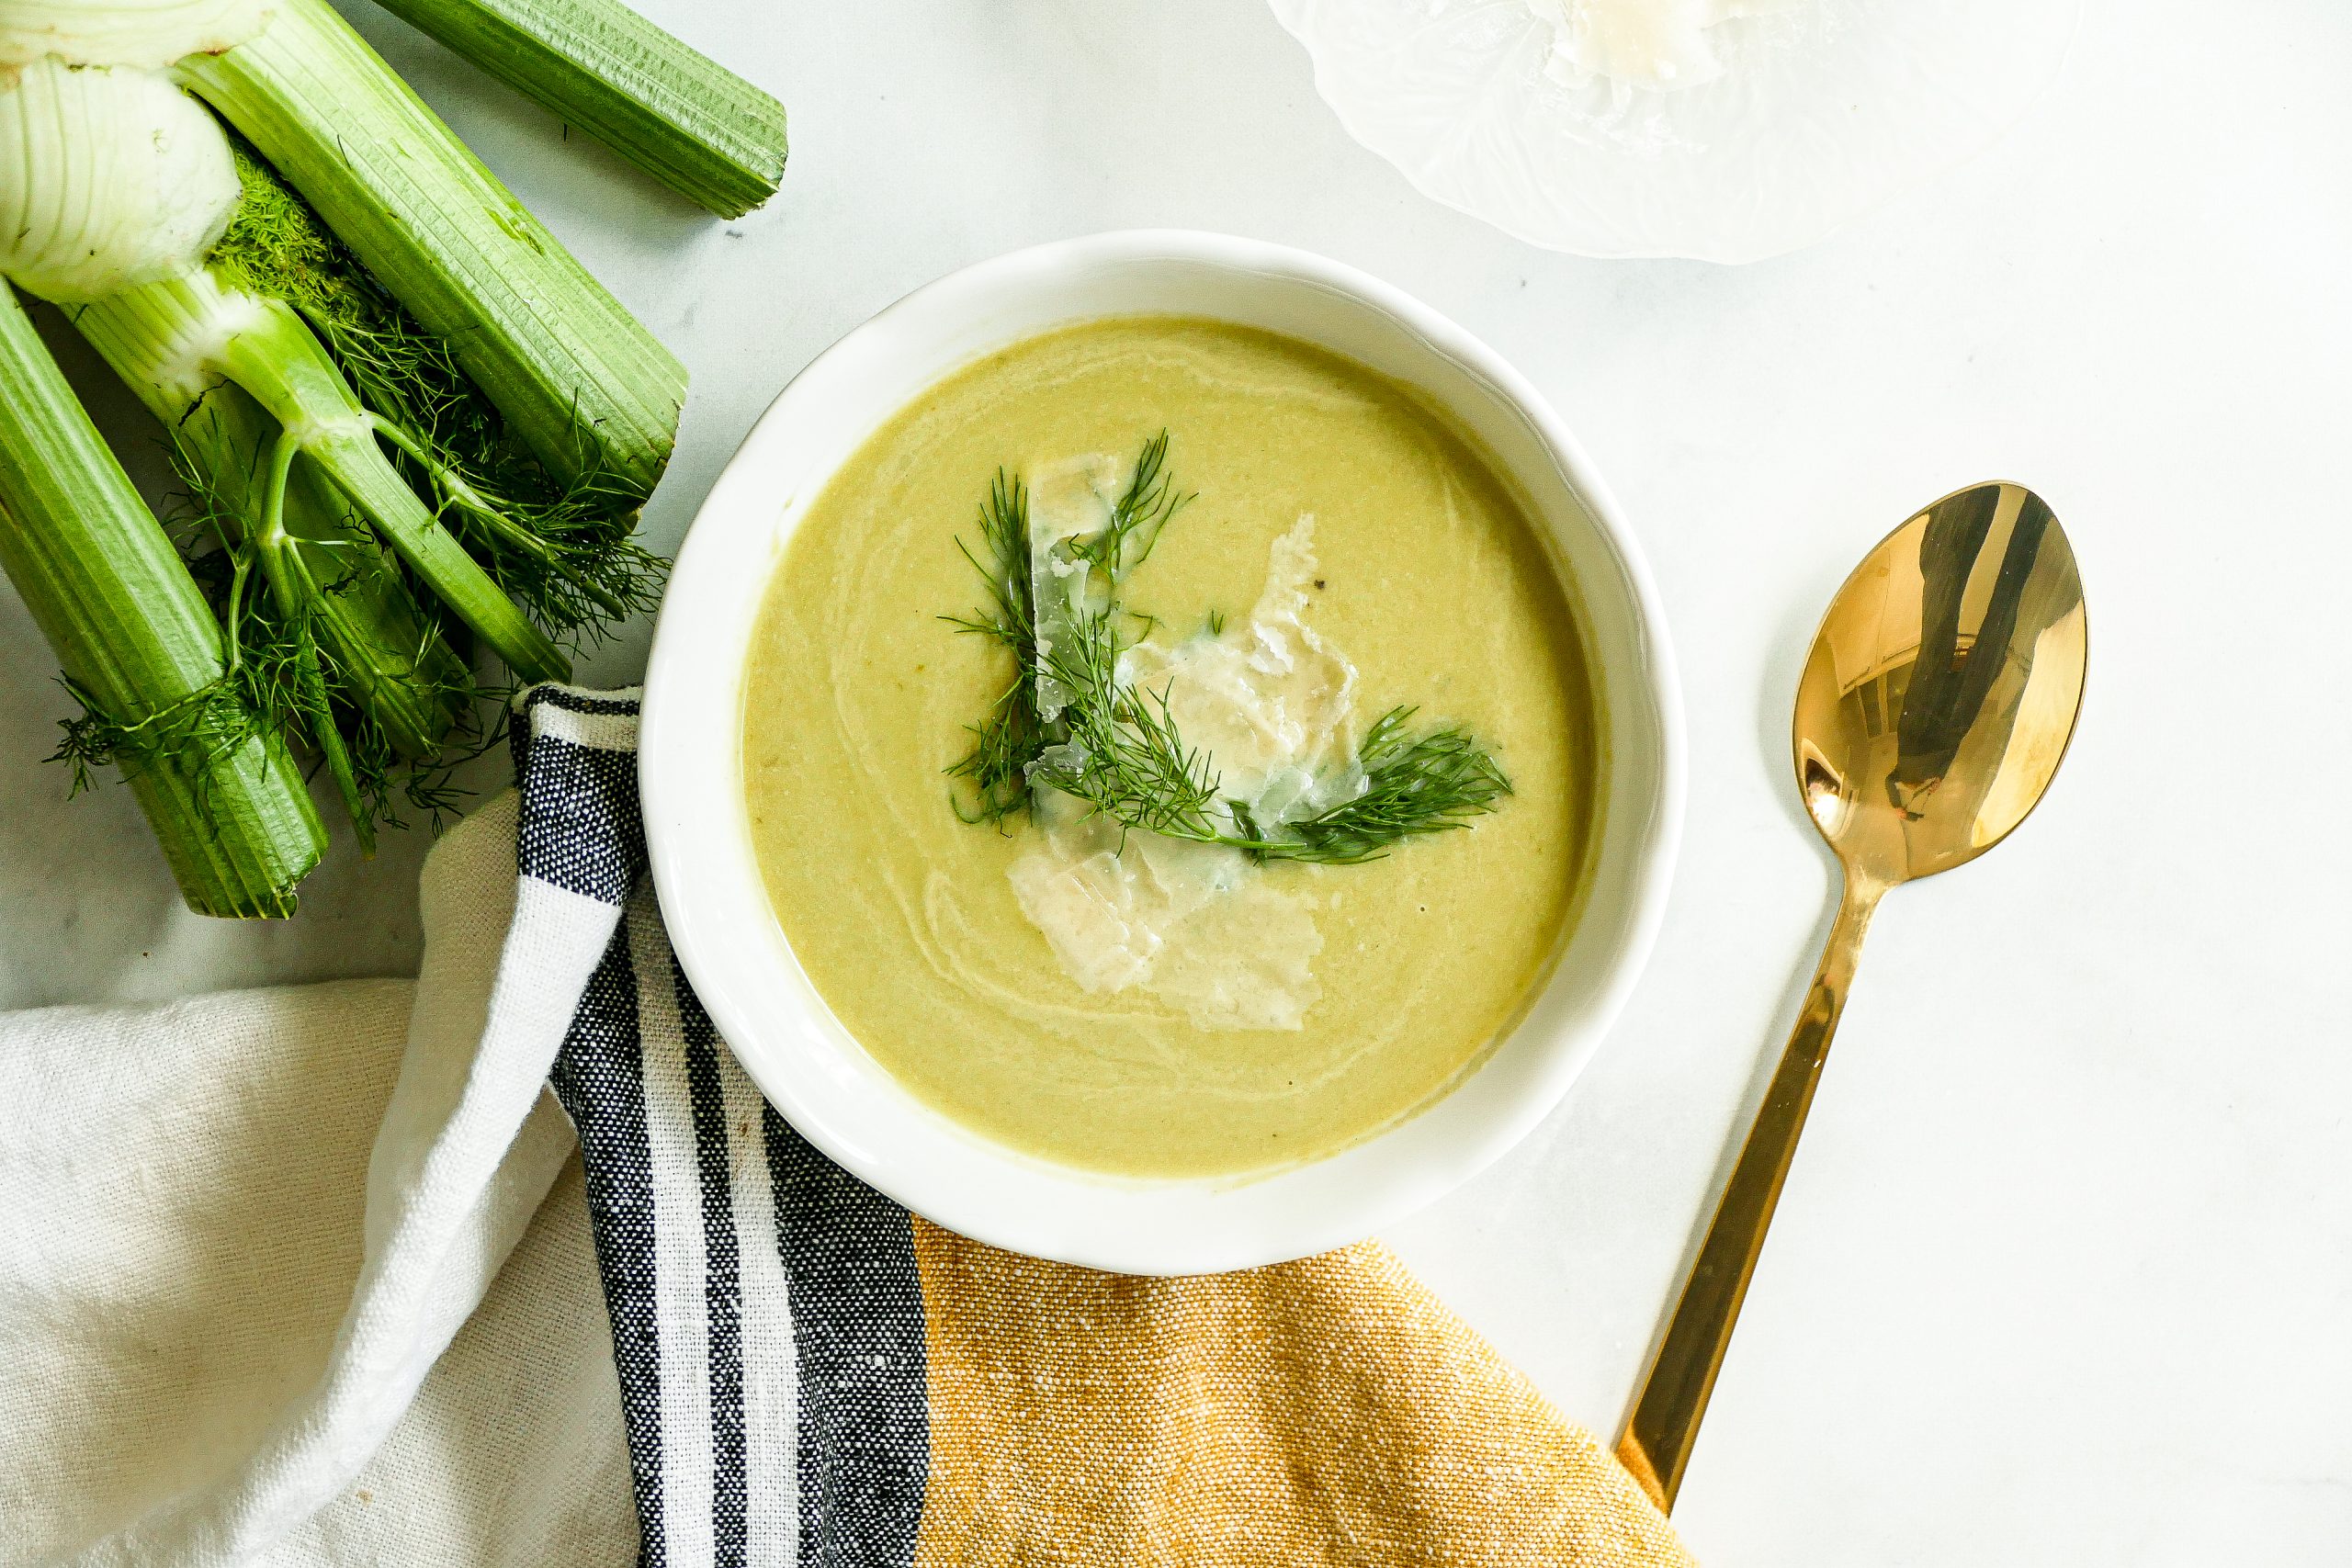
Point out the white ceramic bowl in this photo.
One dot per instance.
(736, 953)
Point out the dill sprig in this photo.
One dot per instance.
(1123, 755)
(272, 686)
(1006, 745)
(1142, 510)
(1009, 740)
(296, 668)
(354, 664)
(1413, 785)
(1115, 745)
(199, 729)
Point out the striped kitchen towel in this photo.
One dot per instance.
(811, 1375)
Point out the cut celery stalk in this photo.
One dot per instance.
(584, 385)
(138, 643)
(684, 118)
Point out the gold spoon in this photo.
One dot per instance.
(1937, 701)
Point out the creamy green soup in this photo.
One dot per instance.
(1124, 1002)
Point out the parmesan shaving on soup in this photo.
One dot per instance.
(1200, 926)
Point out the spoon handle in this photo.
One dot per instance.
(1657, 1444)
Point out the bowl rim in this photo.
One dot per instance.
(674, 795)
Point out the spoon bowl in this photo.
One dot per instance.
(1934, 710)
(1943, 686)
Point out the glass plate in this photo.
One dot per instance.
(1822, 113)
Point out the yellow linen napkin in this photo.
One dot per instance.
(1326, 1411)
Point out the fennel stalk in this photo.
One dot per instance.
(142, 651)
(692, 124)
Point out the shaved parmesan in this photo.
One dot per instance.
(1200, 926)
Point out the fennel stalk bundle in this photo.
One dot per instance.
(410, 428)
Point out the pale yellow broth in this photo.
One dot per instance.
(1430, 580)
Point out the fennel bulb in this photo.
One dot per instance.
(109, 176)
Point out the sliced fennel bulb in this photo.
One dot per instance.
(109, 176)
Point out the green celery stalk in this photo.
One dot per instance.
(584, 385)
(684, 118)
(142, 647)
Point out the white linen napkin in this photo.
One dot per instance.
(220, 1354)
(219, 1339)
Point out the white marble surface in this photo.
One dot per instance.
(2063, 1274)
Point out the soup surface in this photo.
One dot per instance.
(1127, 1003)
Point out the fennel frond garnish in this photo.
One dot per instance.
(1009, 740)
(1071, 721)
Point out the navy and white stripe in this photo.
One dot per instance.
(767, 1318)
(858, 1328)
(598, 1078)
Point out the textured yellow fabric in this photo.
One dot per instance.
(1324, 1412)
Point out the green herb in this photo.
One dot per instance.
(583, 384)
(1115, 745)
(316, 426)
(1137, 518)
(324, 635)
(1122, 754)
(560, 549)
(1008, 742)
(1413, 785)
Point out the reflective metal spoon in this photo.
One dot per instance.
(1940, 696)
